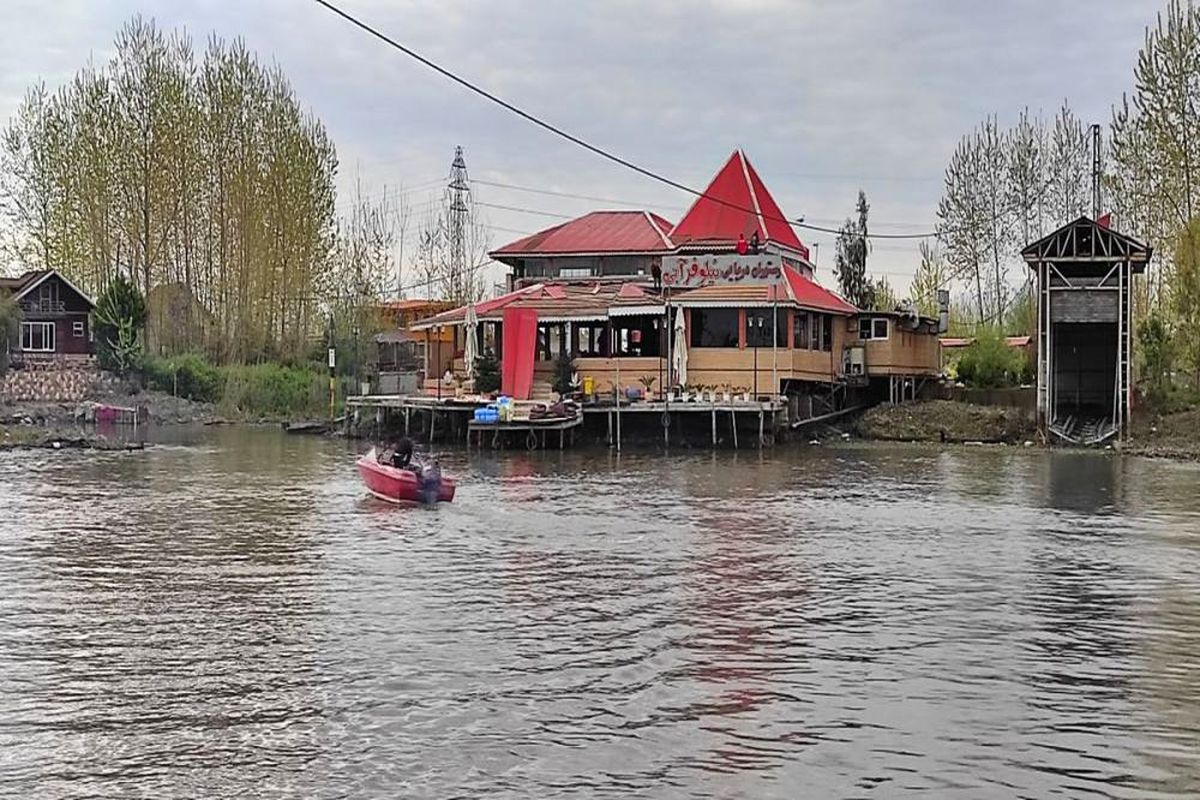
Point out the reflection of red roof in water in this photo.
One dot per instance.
(735, 203)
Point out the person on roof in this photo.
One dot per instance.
(741, 244)
(754, 243)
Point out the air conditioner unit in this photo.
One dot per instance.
(856, 361)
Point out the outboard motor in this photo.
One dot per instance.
(431, 482)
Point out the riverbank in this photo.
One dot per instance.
(946, 421)
(1175, 436)
(32, 437)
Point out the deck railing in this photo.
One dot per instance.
(42, 306)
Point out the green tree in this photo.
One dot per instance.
(118, 321)
(932, 275)
(1186, 297)
(883, 296)
(990, 363)
(564, 373)
(850, 257)
(10, 327)
(487, 373)
(1156, 349)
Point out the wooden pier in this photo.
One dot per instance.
(451, 419)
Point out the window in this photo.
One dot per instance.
(872, 328)
(37, 337)
(550, 341)
(638, 336)
(576, 272)
(826, 333)
(759, 326)
(814, 328)
(800, 332)
(714, 327)
(590, 339)
(77, 330)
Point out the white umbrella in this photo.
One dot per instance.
(469, 354)
(679, 354)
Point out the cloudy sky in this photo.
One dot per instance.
(825, 97)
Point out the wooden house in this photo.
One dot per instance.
(55, 316)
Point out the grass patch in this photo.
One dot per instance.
(246, 391)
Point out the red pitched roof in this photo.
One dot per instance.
(597, 232)
(736, 202)
(810, 294)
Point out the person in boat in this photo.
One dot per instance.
(402, 453)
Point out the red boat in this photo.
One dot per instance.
(397, 485)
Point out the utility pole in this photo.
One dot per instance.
(1095, 171)
(460, 191)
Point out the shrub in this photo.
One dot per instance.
(989, 362)
(564, 374)
(273, 390)
(10, 327)
(487, 373)
(188, 375)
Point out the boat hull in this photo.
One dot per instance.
(398, 485)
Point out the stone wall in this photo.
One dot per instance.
(51, 382)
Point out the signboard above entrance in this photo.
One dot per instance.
(691, 272)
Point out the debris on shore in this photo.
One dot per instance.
(946, 421)
(36, 437)
(1174, 436)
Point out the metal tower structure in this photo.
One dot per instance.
(460, 191)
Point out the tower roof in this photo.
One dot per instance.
(735, 203)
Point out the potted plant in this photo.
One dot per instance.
(685, 393)
(672, 393)
(725, 388)
(648, 382)
(744, 393)
(487, 374)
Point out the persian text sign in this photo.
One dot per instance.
(691, 272)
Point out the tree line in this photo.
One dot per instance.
(1007, 187)
(200, 178)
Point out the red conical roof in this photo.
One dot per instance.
(736, 202)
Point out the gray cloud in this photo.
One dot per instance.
(825, 97)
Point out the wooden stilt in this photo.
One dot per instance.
(432, 414)
(406, 413)
(610, 429)
(714, 426)
(760, 428)
(733, 424)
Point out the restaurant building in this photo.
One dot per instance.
(723, 301)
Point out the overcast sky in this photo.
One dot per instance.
(825, 97)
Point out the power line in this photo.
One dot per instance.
(599, 151)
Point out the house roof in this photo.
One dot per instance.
(955, 342)
(414, 304)
(596, 233)
(27, 282)
(809, 294)
(735, 203)
(1085, 240)
(584, 300)
(18, 284)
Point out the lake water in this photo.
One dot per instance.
(231, 615)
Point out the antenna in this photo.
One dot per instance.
(1095, 171)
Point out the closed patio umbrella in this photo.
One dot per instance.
(679, 349)
(469, 346)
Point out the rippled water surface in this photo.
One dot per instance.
(231, 616)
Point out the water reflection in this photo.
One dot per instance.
(227, 614)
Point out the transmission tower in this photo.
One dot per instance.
(460, 192)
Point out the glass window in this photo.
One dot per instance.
(814, 327)
(826, 333)
(551, 340)
(77, 329)
(800, 331)
(760, 323)
(714, 327)
(638, 336)
(864, 327)
(591, 339)
(880, 329)
(872, 328)
(37, 337)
